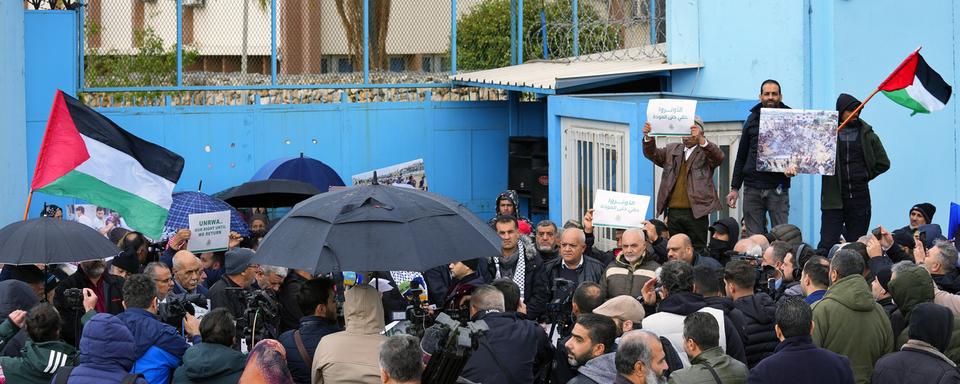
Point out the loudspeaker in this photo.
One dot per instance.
(528, 170)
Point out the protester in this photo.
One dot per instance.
(640, 359)
(686, 193)
(107, 354)
(764, 192)
(187, 274)
(160, 274)
(17, 295)
(259, 224)
(351, 355)
(159, 347)
(213, 361)
(708, 282)
(633, 267)
(586, 299)
(507, 204)
(231, 289)
(43, 353)
(680, 248)
(797, 357)
(880, 289)
(125, 264)
(911, 285)
(919, 214)
(519, 346)
(591, 349)
(784, 259)
(848, 320)
(723, 236)
(677, 302)
(401, 361)
(213, 266)
(107, 288)
(518, 259)
(316, 297)
(625, 311)
(604, 257)
(816, 279)
(759, 337)
(941, 262)
(266, 364)
(707, 362)
(512, 302)
(571, 265)
(290, 313)
(465, 279)
(548, 241)
(269, 278)
(921, 359)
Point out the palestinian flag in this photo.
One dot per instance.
(87, 156)
(917, 86)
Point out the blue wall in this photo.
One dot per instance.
(817, 49)
(13, 189)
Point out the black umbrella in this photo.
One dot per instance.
(376, 228)
(270, 193)
(47, 240)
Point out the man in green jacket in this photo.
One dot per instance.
(708, 363)
(845, 196)
(214, 361)
(848, 321)
(43, 353)
(911, 285)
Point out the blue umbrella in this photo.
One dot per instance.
(187, 203)
(305, 169)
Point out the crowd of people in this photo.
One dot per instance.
(678, 300)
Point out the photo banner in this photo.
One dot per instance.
(806, 139)
(410, 174)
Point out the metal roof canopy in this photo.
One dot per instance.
(553, 76)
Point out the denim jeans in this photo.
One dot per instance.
(758, 203)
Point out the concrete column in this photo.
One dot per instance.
(13, 131)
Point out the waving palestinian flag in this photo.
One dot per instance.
(917, 86)
(87, 156)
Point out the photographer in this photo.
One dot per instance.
(107, 288)
(316, 298)
(230, 291)
(465, 278)
(159, 348)
(512, 351)
(213, 360)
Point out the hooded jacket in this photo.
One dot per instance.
(921, 360)
(107, 351)
(729, 370)
(623, 278)
(668, 322)
(760, 339)
(911, 288)
(725, 304)
(515, 199)
(795, 358)
(34, 364)
(520, 345)
(849, 322)
(600, 369)
(352, 355)
(210, 363)
(158, 349)
(312, 330)
(875, 161)
(700, 190)
(745, 168)
(14, 295)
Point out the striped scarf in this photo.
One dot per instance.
(519, 272)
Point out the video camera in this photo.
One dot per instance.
(765, 273)
(454, 342)
(74, 299)
(260, 316)
(560, 308)
(178, 306)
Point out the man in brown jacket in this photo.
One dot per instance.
(686, 190)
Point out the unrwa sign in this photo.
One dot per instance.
(209, 232)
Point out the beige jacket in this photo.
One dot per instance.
(947, 299)
(352, 355)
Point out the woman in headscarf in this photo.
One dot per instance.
(267, 363)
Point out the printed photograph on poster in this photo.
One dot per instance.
(410, 174)
(99, 218)
(671, 117)
(806, 139)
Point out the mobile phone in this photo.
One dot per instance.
(876, 233)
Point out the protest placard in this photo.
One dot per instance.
(619, 210)
(408, 174)
(209, 232)
(670, 117)
(806, 139)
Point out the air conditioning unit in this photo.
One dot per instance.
(192, 3)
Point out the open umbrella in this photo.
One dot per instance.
(269, 193)
(376, 228)
(47, 240)
(187, 203)
(305, 169)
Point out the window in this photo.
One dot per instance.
(398, 64)
(344, 65)
(426, 64)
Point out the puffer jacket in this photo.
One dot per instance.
(210, 363)
(352, 355)
(34, 365)
(911, 288)
(159, 348)
(600, 369)
(106, 352)
(849, 322)
(623, 278)
(668, 322)
(728, 369)
(760, 337)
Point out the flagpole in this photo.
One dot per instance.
(845, 121)
(26, 211)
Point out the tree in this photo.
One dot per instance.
(483, 35)
(351, 17)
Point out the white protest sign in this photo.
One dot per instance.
(209, 231)
(670, 117)
(619, 210)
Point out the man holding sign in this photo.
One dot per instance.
(686, 190)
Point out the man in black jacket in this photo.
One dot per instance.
(518, 259)
(571, 265)
(107, 287)
(708, 282)
(765, 192)
(316, 298)
(290, 314)
(921, 359)
(760, 339)
(231, 290)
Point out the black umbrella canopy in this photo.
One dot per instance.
(47, 240)
(376, 228)
(269, 193)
